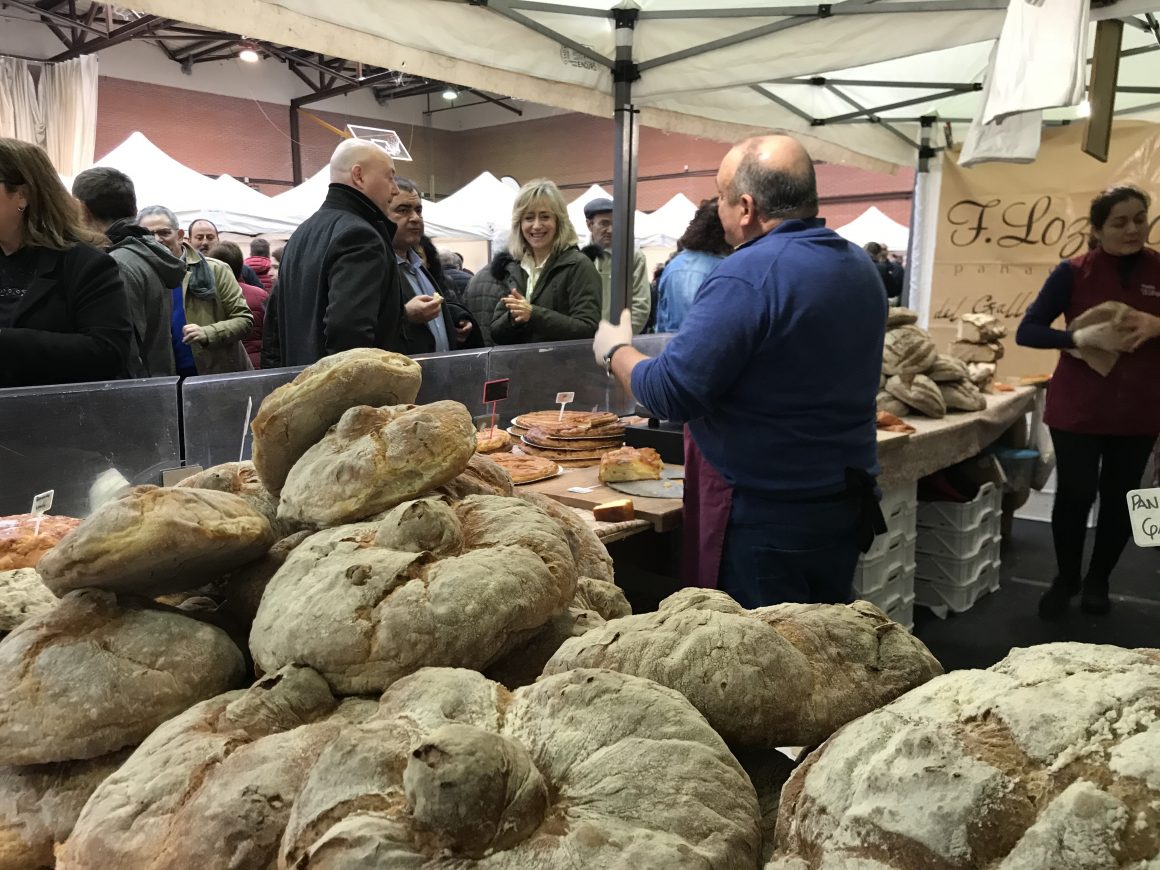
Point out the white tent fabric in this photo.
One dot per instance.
(481, 209)
(159, 179)
(301, 201)
(576, 210)
(238, 208)
(874, 225)
(668, 223)
(705, 69)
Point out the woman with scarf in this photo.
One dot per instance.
(210, 315)
(64, 313)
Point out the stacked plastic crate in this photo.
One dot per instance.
(957, 551)
(885, 575)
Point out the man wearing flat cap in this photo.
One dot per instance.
(598, 213)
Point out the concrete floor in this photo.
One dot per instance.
(1007, 618)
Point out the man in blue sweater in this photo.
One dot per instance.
(775, 370)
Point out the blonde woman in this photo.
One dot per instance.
(551, 291)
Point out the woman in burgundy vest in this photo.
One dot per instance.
(1103, 428)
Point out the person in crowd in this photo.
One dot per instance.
(203, 235)
(655, 292)
(210, 317)
(341, 286)
(598, 214)
(429, 254)
(276, 261)
(255, 297)
(449, 325)
(456, 277)
(699, 251)
(891, 278)
(259, 262)
(549, 290)
(64, 313)
(149, 270)
(1103, 428)
(775, 370)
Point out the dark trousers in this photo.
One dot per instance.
(1087, 465)
(791, 550)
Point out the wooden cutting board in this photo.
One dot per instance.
(664, 513)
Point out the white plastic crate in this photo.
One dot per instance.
(899, 584)
(872, 574)
(897, 501)
(949, 596)
(956, 572)
(903, 527)
(958, 543)
(903, 611)
(955, 516)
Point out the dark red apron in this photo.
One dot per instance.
(708, 500)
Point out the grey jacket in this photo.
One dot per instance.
(149, 272)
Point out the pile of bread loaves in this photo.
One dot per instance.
(916, 377)
(363, 651)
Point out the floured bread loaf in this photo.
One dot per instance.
(981, 374)
(920, 393)
(768, 770)
(948, 370)
(154, 540)
(900, 317)
(23, 541)
(576, 770)
(91, 677)
(213, 787)
(39, 806)
(888, 404)
(295, 416)
(375, 458)
(241, 479)
(908, 351)
(23, 595)
(977, 353)
(1048, 760)
(962, 396)
(476, 578)
(481, 477)
(790, 675)
(631, 463)
(588, 551)
(981, 328)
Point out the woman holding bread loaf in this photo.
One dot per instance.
(553, 292)
(1103, 402)
(64, 313)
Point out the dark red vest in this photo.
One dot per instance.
(1127, 401)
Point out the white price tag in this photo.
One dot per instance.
(562, 399)
(246, 428)
(1144, 511)
(41, 504)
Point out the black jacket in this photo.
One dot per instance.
(420, 338)
(565, 303)
(72, 325)
(338, 286)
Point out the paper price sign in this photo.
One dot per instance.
(42, 503)
(565, 398)
(1144, 511)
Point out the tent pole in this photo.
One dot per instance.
(625, 162)
(925, 153)
(295, 146)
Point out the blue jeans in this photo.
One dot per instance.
(780, 551)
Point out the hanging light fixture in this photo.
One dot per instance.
(249, 53)
(449, 93)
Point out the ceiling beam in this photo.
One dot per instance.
(124, 33)
(496, 101)
(56, 17)
(369, 81)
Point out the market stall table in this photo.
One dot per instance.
(664, 514)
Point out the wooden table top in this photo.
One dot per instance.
(664, 513)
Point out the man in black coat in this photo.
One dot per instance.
(338, 284)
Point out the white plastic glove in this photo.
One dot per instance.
(609, 336)
(1109, 336)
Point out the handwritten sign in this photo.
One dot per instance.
(562, 399)
(1003, 228)
(1144, 510)
(41, 504)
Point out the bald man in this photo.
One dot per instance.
(776, 371)
(338, 284)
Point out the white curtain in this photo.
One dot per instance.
(68, 96)
(923, 235)
(60, 115)
(20, 113)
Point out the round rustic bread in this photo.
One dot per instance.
(570, 423)
(375, 458)
(790, 675)
(576, 770)
(588, 551)
(962, 396)
(91, 677)
(213, 787)
(364, 616)
(909, 350)
(481, 477)
(154, 540)
(891, 405)
(492, 441)
(23, 540)
(1048, 759)
(948, 370)
(296, 415)
(39, 805)
(900, 317)
(920, 393)
(23, 595)
(241, 479)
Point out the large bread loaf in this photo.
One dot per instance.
(1049, 760)
(23, 595)
(908, 350)
(295, 416)
(789, 675)
(241, 479)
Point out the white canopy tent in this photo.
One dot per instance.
(481, 209)
(159, 179)
(668, 223)
(875, 226)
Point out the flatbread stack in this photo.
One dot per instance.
(577, 439)
(525, 469)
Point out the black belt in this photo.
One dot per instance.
(871, 523)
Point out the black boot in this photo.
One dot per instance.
(1055, 600)
(1095, 596)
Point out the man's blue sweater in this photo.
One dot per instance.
(776, 367)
